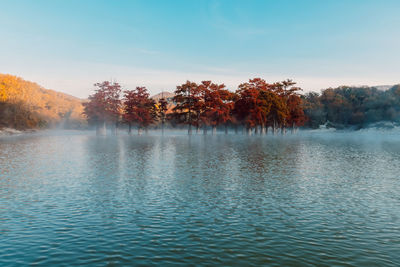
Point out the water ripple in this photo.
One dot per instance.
(75, 199)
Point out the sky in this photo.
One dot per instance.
(70, 45)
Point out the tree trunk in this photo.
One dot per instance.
(116, 128)
(226, 129)
(205, 130)
(190, 129)
(249, 131)
(214, 129)
(263, 131)
(283, 130)
(139, 130)
(197, 129)
(162, 127)
(129, 128)
(146, 130)
(236, 129)
(256, 129)
(101, 129)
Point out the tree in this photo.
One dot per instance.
(94, 110)
(162, 108)
(252, 105)
(139, 109)
(3, 92)
(188, 105)
(104, 106)
(217, 105)
(296, 115)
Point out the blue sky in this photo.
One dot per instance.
(69, 45)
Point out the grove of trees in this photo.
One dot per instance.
(255, 106)
(356, 107)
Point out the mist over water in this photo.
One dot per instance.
(318, 197)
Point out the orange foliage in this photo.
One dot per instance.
(47, 106)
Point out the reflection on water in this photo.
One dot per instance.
(325, 199)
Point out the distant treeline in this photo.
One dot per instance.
(351, 106)
(26, 105)
(255, 106)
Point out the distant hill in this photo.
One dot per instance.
(25, 104)
(379, 87)
(383, 87)
(166, 95)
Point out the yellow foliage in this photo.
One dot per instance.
(49, 105)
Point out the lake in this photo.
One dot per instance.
(315, 198)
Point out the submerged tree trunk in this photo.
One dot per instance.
(214, 129)
(249, 130)
(256, 129)
(263, 131)
(197, 129)
(190, 129)
(236, 129)
(226, 129)
(116, 128)
(129, 128)
(101, 129)
(205, 130)
(274, 127)
(139, 130)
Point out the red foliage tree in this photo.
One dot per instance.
(139, 109)
(252, 105)
(104, 106)
(294, 112)
(217, 104)
(189, 104)
(162, 108)
(296, 115)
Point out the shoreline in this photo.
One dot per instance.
(384, 126)
(14, 132)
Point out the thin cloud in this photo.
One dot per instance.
(238, 30)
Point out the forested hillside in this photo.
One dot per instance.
(25, 105)
(346, 106)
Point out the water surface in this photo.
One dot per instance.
(70, 198)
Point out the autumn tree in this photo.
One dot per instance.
(278, 111)
(104, 106)
(252, 105)
(296, 116)
(188, 105)
(286, 107)
(162, 108)
(139, 109)
(217, 105)
(94, 110)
